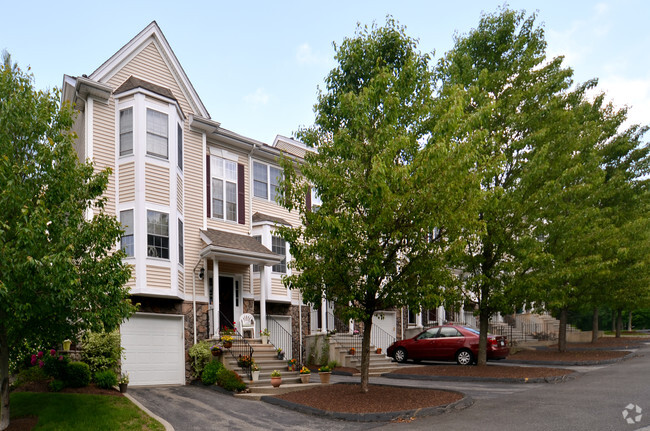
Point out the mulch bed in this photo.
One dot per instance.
(26, 423)
(348, 398)
(43, 386)
(489, 371)
(571, 356)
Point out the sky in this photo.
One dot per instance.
(257, 65)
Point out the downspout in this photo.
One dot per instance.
(194, 295)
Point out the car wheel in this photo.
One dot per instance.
(464, 357)
(400, 355)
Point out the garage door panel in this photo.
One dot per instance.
(153, 349)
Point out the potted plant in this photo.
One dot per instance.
(216, 349)
(255, 371)
(227, 341)
(378, 351)
(280, 353)
(123, 382)
(264, 335)
(67, 344)
(305, 373)
(291, 365)
(244, 361)
(324, 373)
(352, 351)
(355, 332)
(276, 379)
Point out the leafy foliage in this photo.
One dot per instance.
(78, 375)
(230, 380)
(59, 275)
(102, 350)
(106, 379)
(200, 354)
(211, 372)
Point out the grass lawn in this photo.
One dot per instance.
(70, 412)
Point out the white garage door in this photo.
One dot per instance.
(153, 349)
(385, 321)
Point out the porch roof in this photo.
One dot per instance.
(236, 248)
(258, 217)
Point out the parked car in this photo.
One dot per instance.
(447, 343)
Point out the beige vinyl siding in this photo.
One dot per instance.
(291, 149)
(104, 146)
(236, 269)
(179, 193)
(277, 287)
(273, 209)
(131, 282)
(158, 277)
(156, 184)
(257, 283)
(193, 207)
(181, 282)
(127, 182)
(79, 127)
(295, 294)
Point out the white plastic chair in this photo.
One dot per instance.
(247, 323)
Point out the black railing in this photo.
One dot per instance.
(380, 338)
(280, 337)
(239, 348)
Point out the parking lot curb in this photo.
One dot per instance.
(573, 363)
(551, 379)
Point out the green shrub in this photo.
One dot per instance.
(200, 354)
(210, 372)
(56, 385)
(28, 375)
(56, 366)
(105, 379)
(101, 350)
(230, 380)
(78, 375)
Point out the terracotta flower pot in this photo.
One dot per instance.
(304, 378)
(276, 381)
(324, 378)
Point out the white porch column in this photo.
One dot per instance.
(263, 289)
(418, 319)
(350, 322)
(206, 291)
(323, 315)
(440, 315)
(461, 315)
(215, 295)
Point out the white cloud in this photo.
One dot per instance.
(634, 93)
(306, 55)
(258, 98)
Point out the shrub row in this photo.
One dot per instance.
(215, 372)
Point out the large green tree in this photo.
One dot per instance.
(503, 66)
(397, 187)
(58, 274)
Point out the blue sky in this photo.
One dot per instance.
(257, 64)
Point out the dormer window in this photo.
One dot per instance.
(157, 131)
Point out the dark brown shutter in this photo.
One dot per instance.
(207, 184)
(241, 194)
(308, 199)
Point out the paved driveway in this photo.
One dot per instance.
(594, 401)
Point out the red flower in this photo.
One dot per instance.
(33, 359)
(60, 358)
(40, 364)
(53, 352)
(40, 354)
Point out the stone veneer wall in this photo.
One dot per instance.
(295, 329)
(173, 306)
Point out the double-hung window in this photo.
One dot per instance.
(126, 219)
(157, 234)
(180, 242)
(266, 180)
(179, 142)
(279, 246)
(224, 188)
(126, 132)
(157, 131)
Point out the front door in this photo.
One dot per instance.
(226, 301)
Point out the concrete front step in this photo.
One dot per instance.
(257, 392)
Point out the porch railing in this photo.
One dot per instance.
(280, 337)
(380, 338)
(339, 325)
(239, 348)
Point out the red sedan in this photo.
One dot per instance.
(447, 343)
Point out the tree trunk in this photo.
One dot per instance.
(613, 321)
(594, 326)
(4, 377)
(561, 338)
(365, 354)
(484, 316)
(619, 323)
(629, 321)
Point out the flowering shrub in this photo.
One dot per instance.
(324, 369)
(244, 361)
(226, 338)
(291, 362)
(265, 332)
(305, 370)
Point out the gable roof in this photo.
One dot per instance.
(237, 248)
(134, 82)
(135, 45)
(260, 218)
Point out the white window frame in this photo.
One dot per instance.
(269, 187)
(120, 132)
(151, 152)
(126, 232)
(224, 171)
(280, 268)
(181, 239)
(158, 235)
(179, 145)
